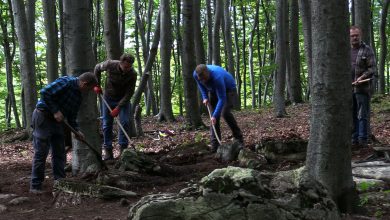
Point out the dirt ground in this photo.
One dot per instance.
(15, 163)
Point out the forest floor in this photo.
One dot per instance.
(257, 126)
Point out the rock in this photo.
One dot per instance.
(286, 180)
(7, 196)
(250, 159)
(234, 193)
(3, 208)
(229, 152)
(374, 172)
(124, 202)
(19, 200)
(292, 149)
(369, 185)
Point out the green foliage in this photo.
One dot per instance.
(364, 186)
(363, 201)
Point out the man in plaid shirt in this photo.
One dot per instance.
(59, 100)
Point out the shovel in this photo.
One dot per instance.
(99, 157)
(215, 130)
(117, 121)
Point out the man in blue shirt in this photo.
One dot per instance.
(218, 88)
(59, 100)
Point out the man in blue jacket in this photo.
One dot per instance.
(218, 88)
(59, 100)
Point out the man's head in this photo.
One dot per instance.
(87, 81)
(355, 34)
(202, 73)
(126, 62)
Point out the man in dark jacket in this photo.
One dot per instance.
(119, 87)
(363, 68)
(59, 100)
(218, 88)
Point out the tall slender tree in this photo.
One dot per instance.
(329, 155)
(27, 58)
(79, 59)
(111, 29)
(305, 10)
(165, 55)
(383, 51)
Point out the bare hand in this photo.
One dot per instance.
(205, 102)
(213, 120)
(59, 116)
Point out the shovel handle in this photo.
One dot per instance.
(117, 120)
(215, 130)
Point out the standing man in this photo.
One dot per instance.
(218, 88)
(118, 89)
(363, 68)
(59, 100)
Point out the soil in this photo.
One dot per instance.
(257, 126)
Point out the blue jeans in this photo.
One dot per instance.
(48, 135)
(360, 117)
(124, 115)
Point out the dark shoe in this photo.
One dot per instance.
(36, 191)
(108, 154)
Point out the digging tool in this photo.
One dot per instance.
(360, 81)
(215, 130)
(99, 157)
(117, 120)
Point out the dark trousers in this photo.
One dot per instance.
(360, 117)
(47, 135)
(231, 98)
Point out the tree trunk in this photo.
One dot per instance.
(79, 59)
(122, 25)
(191, 104)
(243, 13)
(198, 39)
(27, 60)
(329, 150)
(216, 33)
(294, 78)
(383, 51)
(9, 57)
(165, 55)
(363, 18)
(49, 14)
(280, 73)
(62, 38)
(237, 75)
(228, 37)
(111, 29)
(251, 68)
(305, 10)
(210, 48)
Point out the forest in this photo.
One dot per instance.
(291, 61)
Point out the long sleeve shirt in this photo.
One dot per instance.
(363, 64)
(219, 82)
(62, 95)
(119, 85)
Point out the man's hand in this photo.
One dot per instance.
(115, 112)
(80, 136)
(59, 116)
(213, 120)
(205, 102)
(98, 90)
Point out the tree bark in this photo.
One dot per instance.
(305, 10)
(329, 155)
(191, 105)
(79, 59)
(198, 39)
(165, 56)
(251, 67)
(280, 73)
(51, 30)
(27, 60)
(295, 61)
(243, 14)
(383, 51)
(228, 37)
(210, 48)
(363, 19)
(216, 33)
(237, 75)
(111, 29)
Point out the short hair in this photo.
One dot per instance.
(201, 69)
(89, 78)
(353, 27)
(127, 57)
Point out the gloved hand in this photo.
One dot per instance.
(98, 90)
(115, 112)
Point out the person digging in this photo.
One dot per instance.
(119, 87)
(218, 89)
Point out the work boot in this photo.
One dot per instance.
(108, 154)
